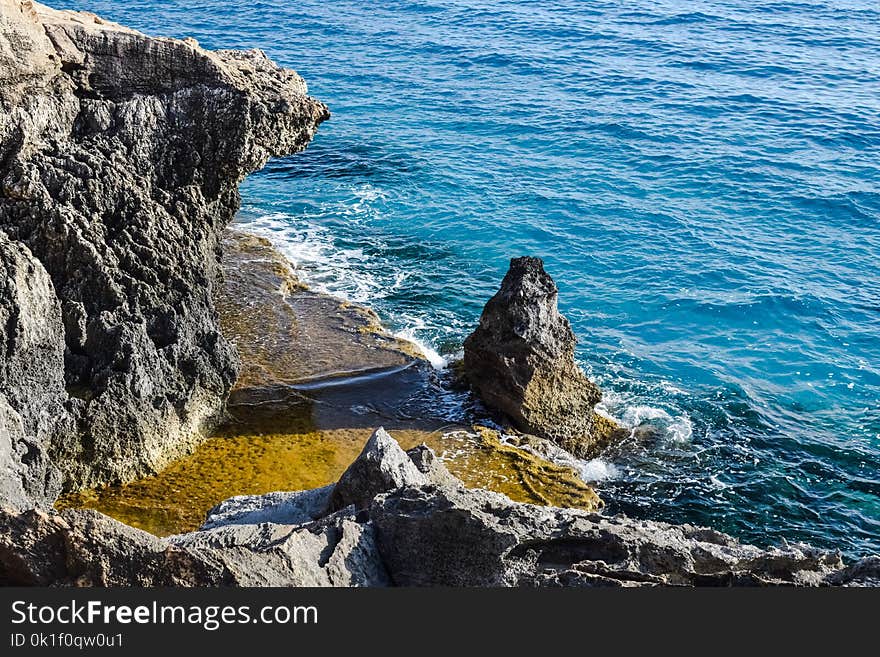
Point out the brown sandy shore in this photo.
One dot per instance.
(318, 374)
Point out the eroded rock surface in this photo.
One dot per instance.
(120, 157)
(288, 335)
(421, 527)
(85, 548)
(32, 394)
(520, 362)
(382, 466)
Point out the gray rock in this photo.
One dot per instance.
(427, 534)
(294, 508)
(427, 462)
(120, 156)
(864, 572)
(381, 466)
(85, 548)
(336, 551)
(457, 537)
(520, 362)
(32, 394)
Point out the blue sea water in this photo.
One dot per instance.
(702, 179)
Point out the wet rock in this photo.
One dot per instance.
(520, 362)
(288, 335)
(120, 157)
(549, 479)
(85, 548)
(381, 466)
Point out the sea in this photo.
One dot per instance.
(702, 179)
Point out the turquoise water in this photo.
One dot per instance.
(702, 179)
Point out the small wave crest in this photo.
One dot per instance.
(438, 362)
(597, 469)
(347, 272)
(675, 428)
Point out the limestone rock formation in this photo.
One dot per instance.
(381, 466)
(120, 156)
(520, 362)
(337, 550)
(416, 531)
(85, 548)
(288, 508)
(457, 537)
(32, 391)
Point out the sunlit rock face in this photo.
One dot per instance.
(120, 157)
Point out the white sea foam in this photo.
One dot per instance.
(437, 361)
(675, 428)
(347, 273)
(597, 470)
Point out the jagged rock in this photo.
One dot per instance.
(31, 379)
(335, 551)
(520, 362)
(380, 456)
(433, 533)
(864, 572)
(294, 508)
(381, 466)
(85, 548)
(120, 156)
(433, 536)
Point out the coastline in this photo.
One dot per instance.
(132, 149)
(317, 375)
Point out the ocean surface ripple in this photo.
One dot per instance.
(703, 183)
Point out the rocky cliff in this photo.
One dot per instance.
(120, 157)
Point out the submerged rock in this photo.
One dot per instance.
(120, 157)
(288, 336)
(520, 362)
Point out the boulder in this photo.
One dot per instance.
(381, 466)
(520, 362)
